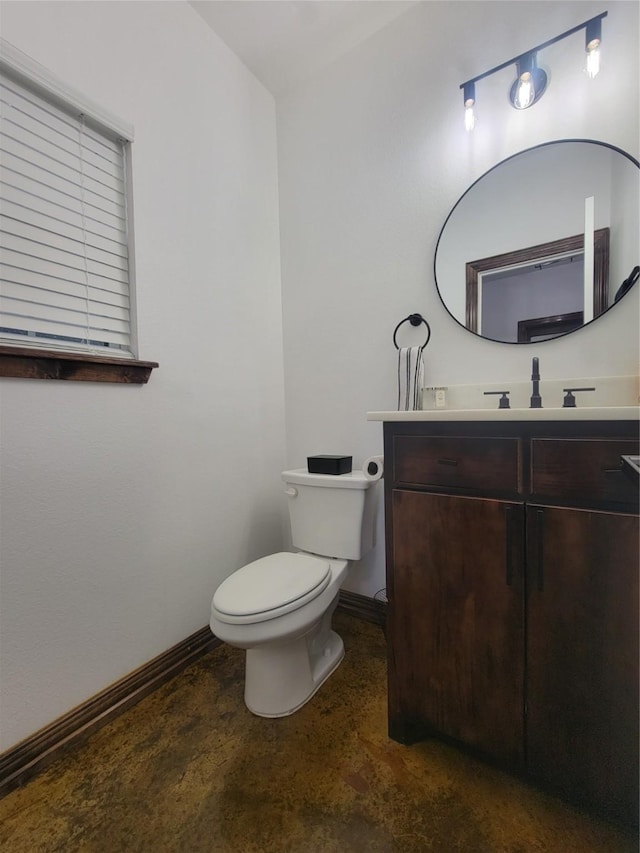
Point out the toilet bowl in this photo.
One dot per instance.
(279, 608)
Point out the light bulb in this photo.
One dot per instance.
(469, 117)
(592, 39)
(525, 92)
(593, 58)
(529, 84)
(469, 102)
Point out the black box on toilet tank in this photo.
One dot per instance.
(329, 464)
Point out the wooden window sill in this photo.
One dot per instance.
(26, 363)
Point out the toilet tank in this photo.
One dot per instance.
(332, 515)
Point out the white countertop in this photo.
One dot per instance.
(580, 413)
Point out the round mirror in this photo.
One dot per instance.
(542, 243)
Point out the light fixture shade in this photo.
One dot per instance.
(530, 83)
(593, 31)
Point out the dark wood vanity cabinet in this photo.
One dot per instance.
(457, 633)
(512, 581)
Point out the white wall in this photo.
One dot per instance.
(372, 157)
(122, 508)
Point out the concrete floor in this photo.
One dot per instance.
(190, 769)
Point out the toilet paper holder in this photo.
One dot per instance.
(373, 468)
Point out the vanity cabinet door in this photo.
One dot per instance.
(455, 621)
(582, 655)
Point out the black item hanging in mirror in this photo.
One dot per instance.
(627, 284)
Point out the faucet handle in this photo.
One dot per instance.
(504, 400)
(569, 401)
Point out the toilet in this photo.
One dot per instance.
(279, 607)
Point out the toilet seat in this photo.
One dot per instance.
(270, 587)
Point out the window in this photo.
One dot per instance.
(65, 235)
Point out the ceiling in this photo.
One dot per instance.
(284, 42)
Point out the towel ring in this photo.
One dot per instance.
(415, 320)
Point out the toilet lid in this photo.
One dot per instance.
(272, 583)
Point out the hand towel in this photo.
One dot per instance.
(410, 378)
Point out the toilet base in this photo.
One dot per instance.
(281, 677)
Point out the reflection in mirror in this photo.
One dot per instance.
(506, 291)
(505, 266)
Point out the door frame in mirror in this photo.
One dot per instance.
(539, 328)
(531, 254)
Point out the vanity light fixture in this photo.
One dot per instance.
(531, 81)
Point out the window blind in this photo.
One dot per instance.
(64, 256)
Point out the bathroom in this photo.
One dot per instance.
(278, 242)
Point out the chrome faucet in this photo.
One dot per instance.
(536, 399)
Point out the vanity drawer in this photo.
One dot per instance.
(582, 469)
(465, 462)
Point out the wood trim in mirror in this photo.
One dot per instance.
(539, 328)
(534, 253)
